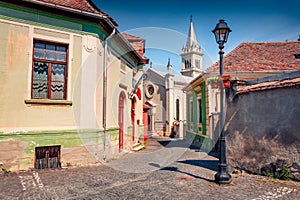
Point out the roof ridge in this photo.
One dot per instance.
(272, 42)
(261, 56)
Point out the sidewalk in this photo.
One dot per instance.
(159, 152)
(166, 169)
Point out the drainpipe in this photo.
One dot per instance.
(106, 135)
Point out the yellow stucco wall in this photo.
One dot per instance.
(118, 81)
(16, 41)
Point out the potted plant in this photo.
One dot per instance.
(226, 80)
(214, 82)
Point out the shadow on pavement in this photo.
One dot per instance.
(208, 164)
(168, 143)
(175, 169)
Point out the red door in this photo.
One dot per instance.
(133, 102)
(121, 121)
(145, 121)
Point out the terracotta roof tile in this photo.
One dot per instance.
(266, 56)
(132, 37)
(80, 5)
(137, 43)
(269, 85)
(84, 5)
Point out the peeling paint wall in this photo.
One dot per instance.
(77, 148)
(263, 127)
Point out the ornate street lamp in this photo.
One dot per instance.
(222, 177)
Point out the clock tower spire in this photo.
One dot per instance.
(191, 55)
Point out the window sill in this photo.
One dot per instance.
(48, 102)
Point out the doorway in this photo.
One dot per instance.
(121, 121)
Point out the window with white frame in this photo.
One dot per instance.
(49, 70)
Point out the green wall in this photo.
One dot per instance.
(194, 95)
(67, 139)
(193, 132)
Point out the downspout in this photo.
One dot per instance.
(106, 135)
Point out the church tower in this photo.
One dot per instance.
(191, 56)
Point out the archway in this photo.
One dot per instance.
(121, 120)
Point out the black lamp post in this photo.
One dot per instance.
(222, 177)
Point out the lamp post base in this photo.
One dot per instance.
(222, 177)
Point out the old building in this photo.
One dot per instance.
(262, 126)
(164, 93)
(64, 66)
(246, 62)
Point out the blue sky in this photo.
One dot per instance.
(164, 24)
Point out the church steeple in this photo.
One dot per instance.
(191, 43)
(169, 66)
(191, 54)
(191, 40)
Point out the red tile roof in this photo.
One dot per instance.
(132, 37)
(84, 5)
(265, 56)
(269, 85)
(137, 43)
(81, 5)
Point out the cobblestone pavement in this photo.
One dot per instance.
(149, 174)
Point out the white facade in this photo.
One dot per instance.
(168, 101)
(191, 56)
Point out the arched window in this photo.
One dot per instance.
(177, 109)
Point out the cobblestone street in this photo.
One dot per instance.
(158, 172)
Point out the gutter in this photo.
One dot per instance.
(106, 135)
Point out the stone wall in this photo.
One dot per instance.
(78, 148)
(263, 132)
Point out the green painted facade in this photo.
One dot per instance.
(194, 119)
(65, 138)
(195, 130)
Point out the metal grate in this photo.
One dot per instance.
(47, 157)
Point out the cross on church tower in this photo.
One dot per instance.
(191, 55)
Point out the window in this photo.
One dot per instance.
(177, 109)
(197, 63)
(150, 91)
(49, 73)
(200, 110)
(123, 67)
(187, 64)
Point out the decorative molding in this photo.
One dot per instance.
(150, 90)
